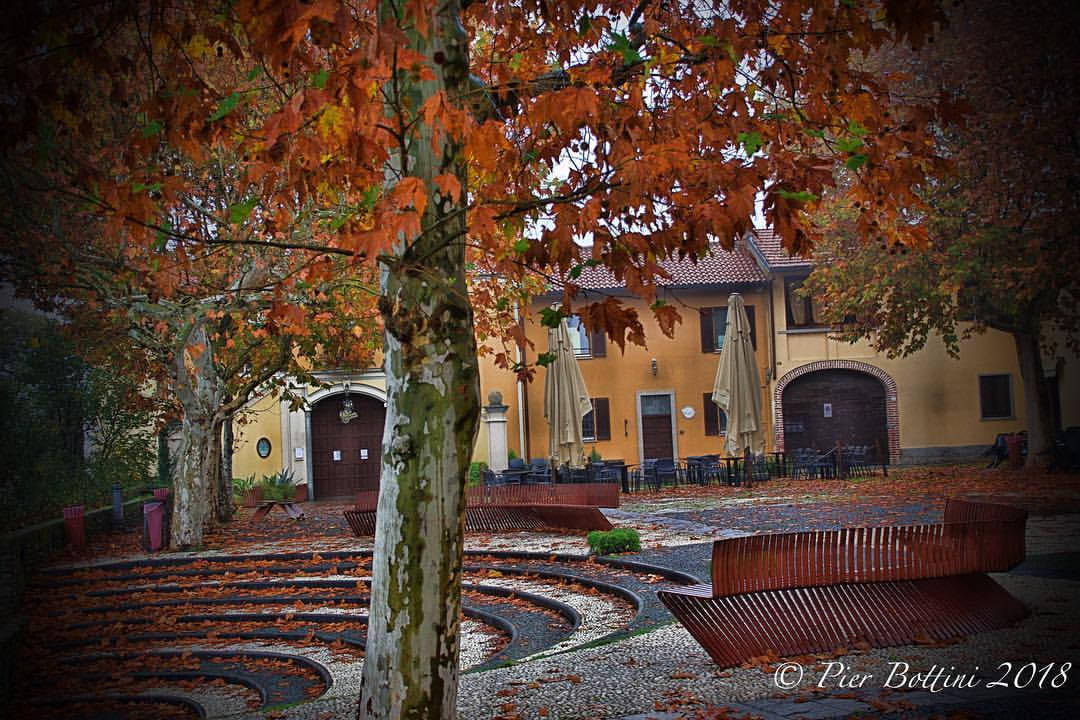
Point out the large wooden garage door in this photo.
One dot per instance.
(830, 406)
(345, 457)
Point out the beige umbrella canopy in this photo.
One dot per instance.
(737, 389)
(566, 400)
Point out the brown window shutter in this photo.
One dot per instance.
(597, 343)
(708, 408)
(601, 419)
(707, 344)
(753, 325)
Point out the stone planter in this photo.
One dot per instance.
(300, 492)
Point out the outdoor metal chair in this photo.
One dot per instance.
(665, 470)
(539, 471)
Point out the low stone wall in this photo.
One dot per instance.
(21, 552)
(25, 549)
(943, 454)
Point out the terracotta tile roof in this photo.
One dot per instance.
(772, 251)
(722, 267)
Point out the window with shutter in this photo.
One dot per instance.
(714, 325)
(586, 344)
(596, 425)
(715, 419)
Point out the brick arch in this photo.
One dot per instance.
(892, 414)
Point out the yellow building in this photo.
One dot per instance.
(654, 401)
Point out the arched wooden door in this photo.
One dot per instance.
(345, 457)
(827, 407)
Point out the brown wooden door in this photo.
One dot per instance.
(656, 439)
(855, 401)
(338, 461)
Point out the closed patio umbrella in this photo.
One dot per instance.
(566, 401)
(737, 389)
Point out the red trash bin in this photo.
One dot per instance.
(1014, 443)
(75, 526)
(153, 525)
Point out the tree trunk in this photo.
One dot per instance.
(200, 391)
(433, 410)
(223, 495)
(1036, 399)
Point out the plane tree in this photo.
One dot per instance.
(1001, 251)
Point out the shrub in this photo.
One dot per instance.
(278, 486)
(594, 457)
(511, 455)
(475, 470)
(606, 542)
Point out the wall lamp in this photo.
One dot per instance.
(654, 366)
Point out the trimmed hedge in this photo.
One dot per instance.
(606, 542)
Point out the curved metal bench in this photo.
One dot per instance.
(810, 592)
(514, 507)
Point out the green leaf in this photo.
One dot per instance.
(708, 41)
(501, 304)
(255, 72)
(849, 145)
(814, 132)
(152, 128)
(545, 359)
(139, 187)
(161, 237)
(751, 141)
(318, 79)
(855, 162)
(657, 304)
(584, 24)
(371, 196)
(550, 318)
(239, 212)
(575, 272)
(226, 106)
(801, 196)
(521, 246)
(529, 156)
(856, 129)
(340, 220)
(621, 45)
(515, 61)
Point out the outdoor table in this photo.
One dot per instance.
(515, 477)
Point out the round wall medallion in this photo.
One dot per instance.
(263, 447)
(688, 412)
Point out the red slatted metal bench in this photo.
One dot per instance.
(813, 592)
(573, 506)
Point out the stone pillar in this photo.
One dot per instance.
(495, 419)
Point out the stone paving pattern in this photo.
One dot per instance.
(645, 666)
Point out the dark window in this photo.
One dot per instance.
(596, 425)
(585, 344)
(715, 419)
(801, 311)
(995, 396)
(714, 323)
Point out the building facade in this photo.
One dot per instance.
(654, 401)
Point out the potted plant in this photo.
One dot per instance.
(246, 492)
